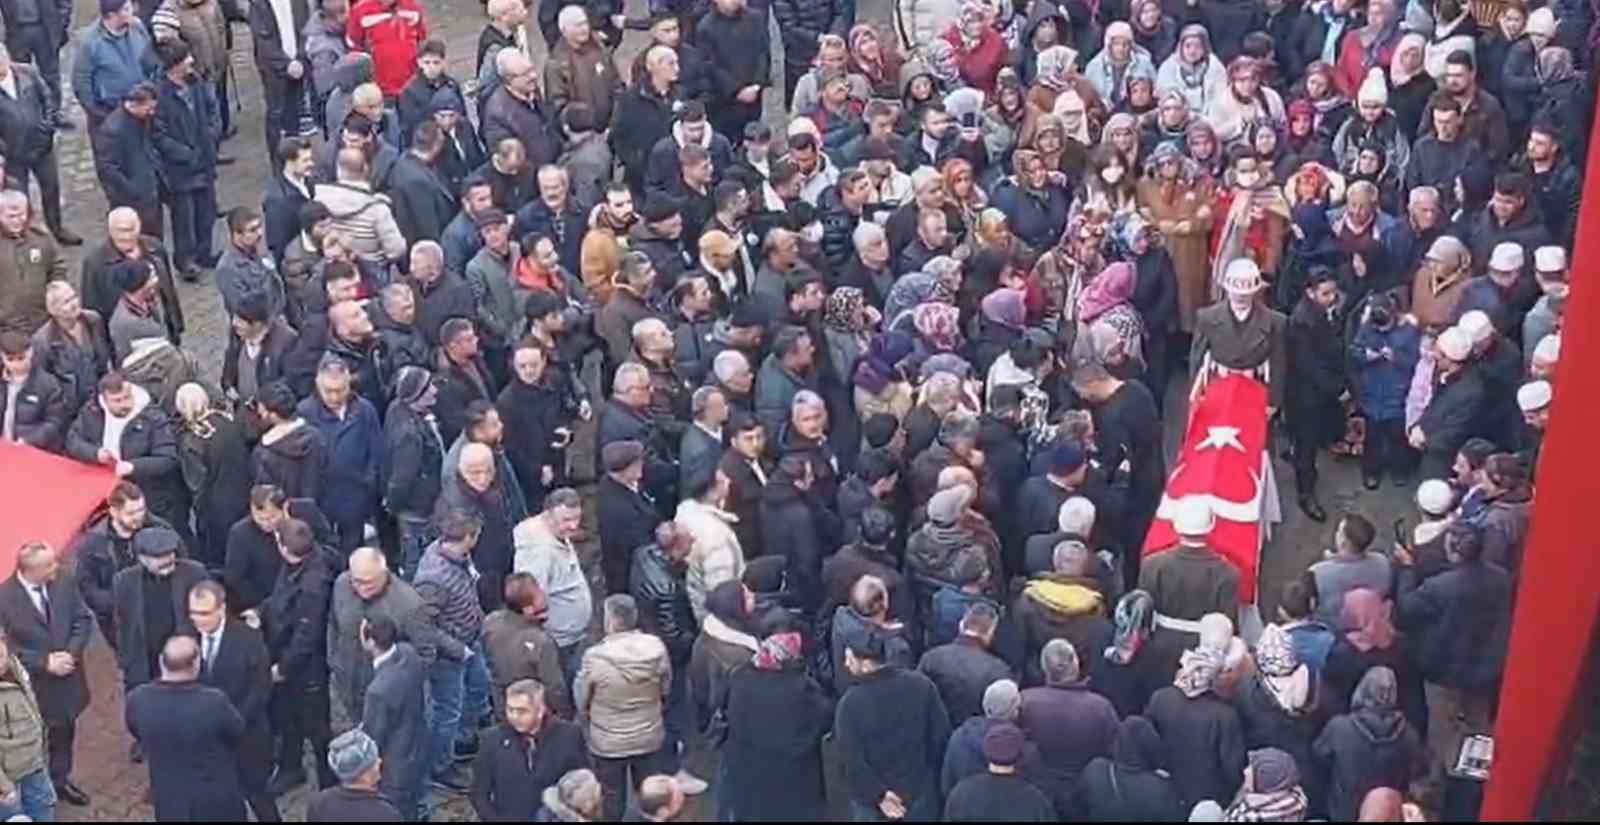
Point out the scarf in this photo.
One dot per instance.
(1555, 64)
(1197, 672)
(1050, 67)
(939, 325)
(1375, 41)
(874, 70)
(843, 311)
(1133, 621)
(1365, 618)
(1287, 805)
(777, 652)
(1111, 288)
(1286, 680)
(943, 64)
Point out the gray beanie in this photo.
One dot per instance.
(1002, 700)
(352, 754)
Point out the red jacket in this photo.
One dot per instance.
(982, 65)
(390, 32)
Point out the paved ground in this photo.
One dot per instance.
(117, 785)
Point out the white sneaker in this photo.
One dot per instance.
(690, 784)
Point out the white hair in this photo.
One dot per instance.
(727, 363)
(570, 17)
(508, 62)
(647, 328)
(629, 374)
(1076, 516)
(867, 232)
(191, 400)
(806, 398)
(427, 251)
(12, 199)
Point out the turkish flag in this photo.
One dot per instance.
(45, 497)
(1224, 459)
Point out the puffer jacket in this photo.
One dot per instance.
(292, 460)
(449, 588)
(1383, 382)
(22, 734)
(366, 218)
(717, 555)
(918, 22)
(803, 21)
(1059, 607)
(621, 690)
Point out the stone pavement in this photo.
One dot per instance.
(117, 785)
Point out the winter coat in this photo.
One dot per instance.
(391, 31)
(738, 53)
(293, 461)
(643, 118)
(891, 730)
(1071, 725)
(108, 65)
(1207, 731)
(294, 622)
(506, 115)
(190, 733)
(512, 771)
(1365, 749)
(366, 218)
(1452, 414)
(421, 199)
(352, 457)
(918, 22)
(214, 456)
(77, 367)
(802, 21)
(1060, 607)
(148, 443)
(128, 616)
(1110, 791)
(1267, 725)
(1382, 383)
(1519, 82)
(587, 76)
(554, 563)
(718, 554)
(1036, 217)
(962, 670)
(350, 668)
(27, 131)
(1557, 193)
(790, 529)
(1459, 621)
(1315, 343)
(621, 691)
(186, 136)
(773, 754)
(41, 417)
(126, 162)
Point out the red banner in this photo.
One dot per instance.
(1224, 459)
(44, 497)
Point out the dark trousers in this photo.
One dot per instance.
(43, 170)
(1158, 367)
(223, 104)
(255, 769)
(620, 777)
(32, 42)
(549, 10)
(1385, 450)
(1305, 462)
(194, 215)
(298, 714)
(283, 95)
(62, 734)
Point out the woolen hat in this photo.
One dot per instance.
(411, 382)
(1534, 396)
(156, 541)
(1541, 22)
(1002, 744)
(620, 455)
(1455, 344)
(1550, 259)
(946, 506)
(352, 754)
(1374, 89)
(1507, 257)
(1435, 497)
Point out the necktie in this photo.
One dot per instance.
(210, 652)
(44, 603)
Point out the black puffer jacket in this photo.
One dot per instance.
(657, 586)
(803, 21)
(413, 461)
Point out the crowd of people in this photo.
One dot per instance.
(867, 410)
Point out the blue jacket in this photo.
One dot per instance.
(1039, 222)
(108, 65)
(461, 242)
(1383, 384)
(352, 457)
(186, 136)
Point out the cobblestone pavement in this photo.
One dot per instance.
(117, 785)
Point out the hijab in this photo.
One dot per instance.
(1006, 307)
(880, 364)
(777, 652)
(1110, 289)
(1555, 64)
(943, 63)
(939, 325)
(1286, 680)
(860, 33)
(1398, 75)
(1137, 746)
(1198, 670)
(843, 311)
(912, 290)
(1134, 620)
(1051, 63)
(1365, 618)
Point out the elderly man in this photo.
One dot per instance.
(659, 591)
(645, 113)
(1070, 723)
(516, 110)
(621, 692)
(367, 590)
(358, 797)
(193, 734)
(654, 347)
(627, 417)
(626, 513)
(72, 346)
(544, 550)
(557, 215)
(458, 681)
(126, 241)
(352, 440)
(580, 68)
(151, 603)
(1455, 408)
(29, 261)
(732, 374)
(893, 726)
(478, 484)
(48, 626)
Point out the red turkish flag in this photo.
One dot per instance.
(1224, 459)
(45, 497)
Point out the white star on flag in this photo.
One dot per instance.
(1220, 437)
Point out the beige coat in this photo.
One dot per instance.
(621, 693)
(1190, 247)
(22, 735)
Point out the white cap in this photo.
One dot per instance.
(1477, 326)
(1550, 259)
(1534, 396)
(1242, 277)
(1541, 22)
(1548, 350)
(1435, 497)
(1194, 517)
(1455, 344)
(1374, 89)
(1507, 257)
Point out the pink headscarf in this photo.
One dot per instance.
(1110, 289)
(1365, 620)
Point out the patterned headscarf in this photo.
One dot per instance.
(777, 651)
(843, 311)
(1134, 620)
(939, 325)
(1198, 670)
(1282, 674)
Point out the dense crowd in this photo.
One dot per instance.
(867, 410)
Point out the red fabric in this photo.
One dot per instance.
(44, 497)
(1558, 603)
(391, 33)
(982, 65)
(1257, 241)
(1224, 452)
(1347, 70)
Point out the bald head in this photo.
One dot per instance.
(180, 659)
(369, 573)
(352, 164)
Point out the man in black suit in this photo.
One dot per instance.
(150, 604)
(49, 626)
(233, 659)
(393, 715)
(192, 733)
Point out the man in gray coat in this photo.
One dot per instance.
(366, 591)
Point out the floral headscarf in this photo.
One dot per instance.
(943, 63)
(1006, 307)
(1285, 678)
(939, 325)
(1110, 289)
(843, 311)
(1198, 670)
(911, 290)
(1051, 63)
(777, 651)
(1365, 618)
(1134, 620)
